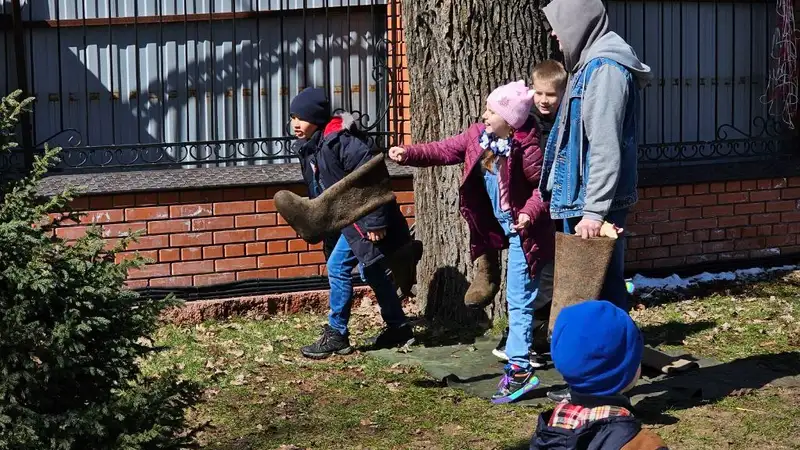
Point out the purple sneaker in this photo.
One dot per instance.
(515, 383)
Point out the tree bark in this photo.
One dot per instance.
(458, 51)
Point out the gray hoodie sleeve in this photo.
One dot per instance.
(603, 115)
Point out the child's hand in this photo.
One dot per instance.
(522, 222)
(397, 154)
(376, 235)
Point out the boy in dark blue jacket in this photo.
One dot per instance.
(329, 149)
(597, 348)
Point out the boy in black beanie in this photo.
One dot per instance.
(329, 149)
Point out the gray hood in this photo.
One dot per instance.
(578, 24)
(613, 47)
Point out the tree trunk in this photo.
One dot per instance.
(458, 51)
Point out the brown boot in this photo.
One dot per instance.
(485, 281)
(580, 270)
(359, 193)
(403, 264)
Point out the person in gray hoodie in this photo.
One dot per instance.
(589, 172)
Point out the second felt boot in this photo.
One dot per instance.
(485, 281)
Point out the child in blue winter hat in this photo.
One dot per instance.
(597, 348)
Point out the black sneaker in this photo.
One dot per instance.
(329, 343)
(392, 337)
(560, 396)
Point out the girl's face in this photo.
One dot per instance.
(495, 124)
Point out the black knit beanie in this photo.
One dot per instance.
(312, 106)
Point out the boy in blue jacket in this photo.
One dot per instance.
(329, 149)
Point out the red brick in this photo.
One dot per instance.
(171, 282)
(630, 254)
(169, 255)
(750, 243)
(234, 250)
(790, 250)
(733, 233)
(191, 254)
(214, 278)
(232, 264)
(269, 233)
(794, 181)
(780, 229)
(312, 258)
(734, 221)
(280, 247)
(733, 255)
(136, 284)
(685, 189)
(765, 230)
(685, 213)
(212, 223)
(201, 196)
(653, 253)
(765, 196)
(190, 239)
(652, 192)
(652, 241)
(253, 274)
(256, 220)
(699, 224)
(231, 208)
(749, 232)
(701, 200)
(669, 191)
(718, 247)
(668, 203)
(265, 206)
(749, 185)
(179, 211)
(686, 237)
(228, 237)
(701, 235)
(687, 249)
(669, 239)
(640, 265)
(212, 252)
(148, 242)
(781, 241)
(793, 216)
(404, 198)
(150, 256)
(256, 248)
(148, 213)
(733, 197)
(652, 216)
(765, 252)
(669, 262)
(762, 219)
(71, 233)
(764, 184)
(778, 183)
(749, 208)
(168, 198)
(267, 261)
(789, 194)
(147, 199)
(192, 268)
(717, 211)
(717, 235)
(124, 200)
(299, 245)
(407, 210)
(642, 205)
(717, 187)
(733, 186)
(668, 227)
(104, 216)
(169, 226)
(323, 270)
(632, 243)
(701, 259)
(298, 271)
(123, 229)
(317, 246)
(701, 189)
(149, 271)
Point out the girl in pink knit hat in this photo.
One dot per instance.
(500, 201)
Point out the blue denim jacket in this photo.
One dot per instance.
(567, 198)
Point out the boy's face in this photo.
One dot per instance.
(303, 129)
(547, 97)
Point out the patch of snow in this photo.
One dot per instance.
(675, 282)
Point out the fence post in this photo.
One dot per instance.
(22, 81)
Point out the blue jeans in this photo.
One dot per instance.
(340, 269)
(614, 289)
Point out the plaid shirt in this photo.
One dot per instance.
(569, 416)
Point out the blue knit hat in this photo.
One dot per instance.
(596, 347)
(311, 105)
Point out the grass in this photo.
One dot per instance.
(262, 395)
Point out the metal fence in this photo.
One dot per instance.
(188, 83)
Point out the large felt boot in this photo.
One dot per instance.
(403, 264)
(359, 193)
(485, 281)
(580, 271)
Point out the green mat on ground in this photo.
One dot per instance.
(473, 368)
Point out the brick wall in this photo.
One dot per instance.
(400, 109)
(205, 237)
